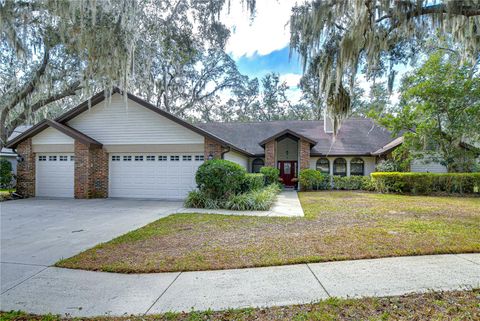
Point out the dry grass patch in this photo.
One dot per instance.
(338, 226)
(440, 306)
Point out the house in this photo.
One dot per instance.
(8, 153)
(125, 147)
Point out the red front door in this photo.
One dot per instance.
(288, 171)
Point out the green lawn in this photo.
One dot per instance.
(439, 306)
(339, 225)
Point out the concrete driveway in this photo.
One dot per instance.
(36, 233)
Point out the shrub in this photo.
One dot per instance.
(388, 165)
(351, 182)
(219, 179)
(6, 175)
(253, 182)
(198, 199)
(313, 179)
(256, 200)
(426, 183)
(271, 174)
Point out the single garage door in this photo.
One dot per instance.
(161, 176)
(55, 172)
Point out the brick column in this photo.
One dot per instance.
(270, 154)
(26, 169)
(304, 154)
(91, 171)
(213, 148)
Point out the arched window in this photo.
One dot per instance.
(257, 164)
(357, 167)
(340, 167)
(323, 165)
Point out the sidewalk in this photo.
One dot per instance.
(85, 293)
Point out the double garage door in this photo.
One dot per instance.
(132, 175)
(153, 175)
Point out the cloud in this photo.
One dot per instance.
(267, 32)
(292, 80)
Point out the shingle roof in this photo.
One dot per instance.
(357, 136)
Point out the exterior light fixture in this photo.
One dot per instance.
(20, 158)
(210, 156)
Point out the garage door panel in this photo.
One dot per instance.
(168, 176)
(55, 174)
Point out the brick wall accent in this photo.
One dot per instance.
(304, 154)
(91, 172)
(26, 169)
(213, 148)
(270, 154)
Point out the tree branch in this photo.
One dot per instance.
(29, 87)
(20, 118)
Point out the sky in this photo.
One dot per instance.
(261, 45)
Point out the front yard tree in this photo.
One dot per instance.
(440, 111)
(342, 36)
(56, 49)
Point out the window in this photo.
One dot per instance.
(186, 158)
(139, 158)
(174, 158)
(42, 158)
(357, 166)
(162, 158)
(199, 158)
(323, 165)
(115, 158)
(127, 158)
(63, 158)
(257, 164)
(150, 158)
(72, 158)
(52, 158)
(340, 167)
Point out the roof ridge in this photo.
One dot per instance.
(259, 121)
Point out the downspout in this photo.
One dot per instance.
(226, 150)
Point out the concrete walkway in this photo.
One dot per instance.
(83, 293)
(286, 205)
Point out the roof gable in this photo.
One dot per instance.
(100, 97)
(288, 132)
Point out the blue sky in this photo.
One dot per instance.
(277, 61)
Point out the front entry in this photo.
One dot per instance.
(288, 171)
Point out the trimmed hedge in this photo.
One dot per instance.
(426, 183)
(311, 179)
(352, 183)
(218, 178)
(253, 181)
(271, 174)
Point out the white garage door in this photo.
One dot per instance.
(55, 173)
(162, 176)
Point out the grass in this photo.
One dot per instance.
(339, 225)
(5, 193)
(441, 306)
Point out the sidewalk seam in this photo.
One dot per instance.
(29, 264)
(161, 294)
(466, 259)
(318, 280)
(24, 280)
